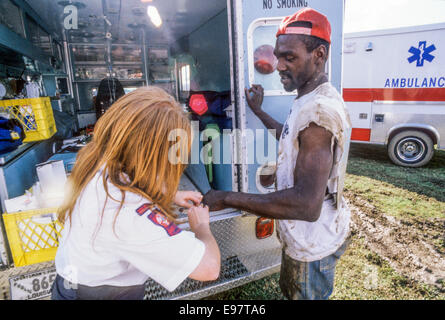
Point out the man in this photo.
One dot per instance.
(313, 219)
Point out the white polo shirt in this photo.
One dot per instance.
(143, 243)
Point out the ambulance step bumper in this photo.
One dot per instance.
(233, 274)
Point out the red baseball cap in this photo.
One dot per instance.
(317, 24)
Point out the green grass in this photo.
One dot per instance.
(362, 274)
(372, 161)
(267, 288)
(404, 193)
(395, 201)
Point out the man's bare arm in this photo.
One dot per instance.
(305, 199)
(270, 123)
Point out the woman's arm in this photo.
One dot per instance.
(210, 265)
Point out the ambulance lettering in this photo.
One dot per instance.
(436, 82)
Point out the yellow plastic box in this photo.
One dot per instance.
(35, 115)
(33, 235)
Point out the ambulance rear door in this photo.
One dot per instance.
(255, 25)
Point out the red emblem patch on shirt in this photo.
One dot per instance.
(144, 208)
(158, 218)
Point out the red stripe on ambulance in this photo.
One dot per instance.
(394, 94)
(361, 134)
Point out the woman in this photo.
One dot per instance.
(119, 226)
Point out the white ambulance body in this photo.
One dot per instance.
(394, 87)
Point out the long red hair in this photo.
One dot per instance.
(132, 137)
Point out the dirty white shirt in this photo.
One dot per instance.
(311, 241)
(139, 244)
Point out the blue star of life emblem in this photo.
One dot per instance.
(421, 53)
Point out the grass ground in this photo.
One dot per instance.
(414, 199)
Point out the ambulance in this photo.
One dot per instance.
(394, 87)
(204, 53)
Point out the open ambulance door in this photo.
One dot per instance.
(255, 24)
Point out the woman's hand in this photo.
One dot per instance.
(199, 218)
(182, 198)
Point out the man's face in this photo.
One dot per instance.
(295, 65)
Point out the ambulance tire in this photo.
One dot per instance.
(411, 149)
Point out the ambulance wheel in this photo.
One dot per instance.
(411, 149)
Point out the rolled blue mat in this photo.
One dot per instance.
(197, 174)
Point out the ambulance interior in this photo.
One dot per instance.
(181, 46)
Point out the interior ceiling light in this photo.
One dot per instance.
(154, 16)
(146, 0)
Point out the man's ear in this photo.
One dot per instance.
(320, 54)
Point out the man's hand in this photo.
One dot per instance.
(182, 198)
(254, 97)
(215, 200)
